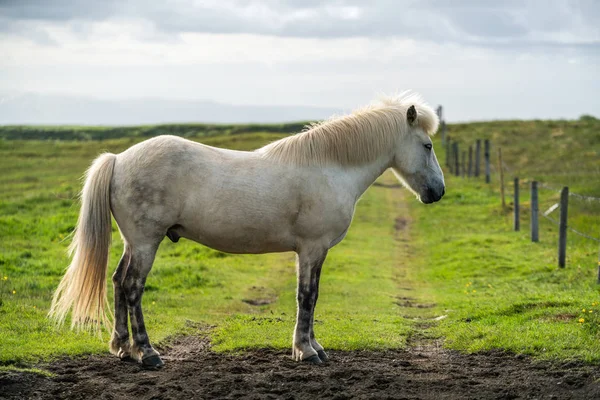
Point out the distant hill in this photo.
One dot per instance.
(76, 132)
(34, 109)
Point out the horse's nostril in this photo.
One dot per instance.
(431, 193)
(443, 191)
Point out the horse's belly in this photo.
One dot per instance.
(239, 240)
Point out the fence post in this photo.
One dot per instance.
(443, 131)
(562, 227)
(534, 213)
(516, 201)
(477, 156)
(448, 153)
(470, 170)
(463, 162)
(487, 161)
(501, 178)
(456, 168)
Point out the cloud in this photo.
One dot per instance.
(473, 82)
(506, 23)
(480, 59)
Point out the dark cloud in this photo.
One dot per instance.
(57, 10)
(546, 23)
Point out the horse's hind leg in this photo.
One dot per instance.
(142, 258)
(310, 262)
(119, 343)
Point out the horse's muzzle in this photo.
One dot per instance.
(432, 195)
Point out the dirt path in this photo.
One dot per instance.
(193, 371)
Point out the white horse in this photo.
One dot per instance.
(296, 194)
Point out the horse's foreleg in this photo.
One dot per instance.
(309, 271)
(133, 285)
(320, 351)
(119, 343)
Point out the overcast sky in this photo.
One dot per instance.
(480, 59)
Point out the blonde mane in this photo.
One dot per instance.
(356, 138)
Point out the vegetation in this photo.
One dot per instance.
(556, 152)
(402, 264)
(189, 282)
(498, 289)
(25, 132)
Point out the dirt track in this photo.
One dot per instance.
(193, 371)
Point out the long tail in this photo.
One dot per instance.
(83, 288)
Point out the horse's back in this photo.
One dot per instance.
(233, 201)
(222, 198)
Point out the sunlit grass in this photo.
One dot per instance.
(189, 282)
(500, 290)
(497, 289)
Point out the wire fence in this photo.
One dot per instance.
(556, 206)
(575, 195)
(478, 161)
(557, 223)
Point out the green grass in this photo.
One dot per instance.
(497, 289)
(15, 369)
(189, 282)
(556, 152)
(74, 132)
(356, 307)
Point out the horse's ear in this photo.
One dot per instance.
(411, 115)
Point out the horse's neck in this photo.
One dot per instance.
(363, 176)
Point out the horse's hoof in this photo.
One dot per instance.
(322, 355)
(313, 360)
(128, 359)
(125, 356)
(152, 362)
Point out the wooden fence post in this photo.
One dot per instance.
(448, 153)
(470, 169)
(562, 227)
(534, 213)
(463, 162)
(487, 161)
(501, 178)
(516, 201)
(477, 156)
(456, 168)
(443, 131)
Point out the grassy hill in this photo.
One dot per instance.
(492, 287)
(559, 152)
(497, 288)
(25, 132)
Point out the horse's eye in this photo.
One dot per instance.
(428, 146)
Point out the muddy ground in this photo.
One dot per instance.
(193, 371)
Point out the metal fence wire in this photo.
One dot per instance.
(473, 169)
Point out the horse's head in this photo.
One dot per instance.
(415, 163)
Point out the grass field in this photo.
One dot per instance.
(497, 289)
(500, 290)
(189, 282)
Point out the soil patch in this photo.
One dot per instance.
(408, 302)
(260, 296)
(192, 370)
(400, 224)
(258, 302)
